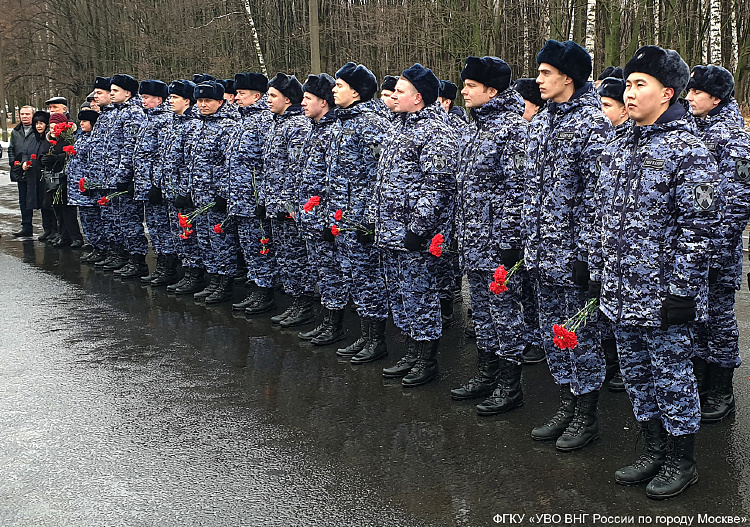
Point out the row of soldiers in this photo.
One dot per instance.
(622, 229)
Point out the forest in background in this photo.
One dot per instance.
(57, 47)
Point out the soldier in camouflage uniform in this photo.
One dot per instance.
(282, 168)
(315, 223)
(217, 123)
(352, 165)
(245, 180)
(414, 202)
(565, 140)
(658, 201)
(456, 115)
(491, 180)
(384, 104)
(532, 97)
(717, 342)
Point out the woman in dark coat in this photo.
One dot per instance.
(33, 171)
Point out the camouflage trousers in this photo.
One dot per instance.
(218, 251)
(530, 304)
(108, 216)
(291, 254)
(582, 367)
(413, 293)
(658, 374)
(261, 268)
(717, 340)
(188, 249)
(447, 272)
(362, 267)
(130, 225)
(324, 260)
(159, 228)
(93, 226)
(498, 319)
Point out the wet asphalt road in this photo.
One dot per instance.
(122, 405)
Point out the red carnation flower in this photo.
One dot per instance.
(82, 184)
(264, 241)
(311, 203)
(52, 142)
(70, 150)
(564, 338)
(218, 229)
(183, 220)
(498, 287)
(338, 215)
(264, 250)
(335, 230)
(33, 156)
(436, 248)
(501, 275)
(103, 201)
(16, 163)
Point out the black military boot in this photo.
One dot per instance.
(264, 301)
(405, 363)
(508, 394)
(110, 255)
(719, 402)
(161, 260)
(95, 256)
(288, 312)
(187, 271)
(334, 331)
(214, 280)
(224, 290)
(484, 381)
(584, 427)
(425, 368)
(119, 260)
(137, 267)
(303, 315)
(679, 470)
(446, 312)
(375, 348)
(654, 454)
(169, 273)
(317, 330)
(194, 283)
(554, 428)
(533, 354)
(358, 345)
(615, 384)
(702, 377)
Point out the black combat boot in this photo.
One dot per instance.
(264, 301)
(555, 427)
(446, 312)
(161, 260)
(405, 363)
(303, 315)
(187, 271)
(223, 291)
(484, 381)
(358, 345)
(508, 394)
(247, 301)
(584, 427)
(654, 454)
(679, 470)
(719, 402)
(375, 348)
(425, 368)
(110, 255)
(95, 256)
(288, 312)
(169, 273)
(136, 268)
(533, 354)
(119, 259)
(214, 280)
(334, 331)
(194, 283)
(615, 384)
(317, 330)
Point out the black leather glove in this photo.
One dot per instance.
(47, 160)
(581, 273)
(154, 196)
(510, 257)
(87, 192)
(415, 242)
(184, 202)
(677, 310)
(122, 186)
(366, 238)
(260, 212)
(283, 215)
(328, 235)
(131, 189)
(595, 289)
(220, 204)
(713, 275)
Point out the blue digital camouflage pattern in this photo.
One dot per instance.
(188, 249)
(172, 172)
(458, 119)
(218, 251)
(332, 283)
(148, 149)
(261, 268)
(129, 224)
(565, 140)
(93, 227)
(314, 178)
(119, 165)
(717, 340)
(362, 269)
(530, 303)
(159, 228)
(291, 254)
(102, 138)
(78, 167)
(658, 375)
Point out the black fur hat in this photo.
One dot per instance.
(229, 86)
(568, 57)
(361, 79)
(199, 78)
(40, 116)
(126, 82)
(490, 71)
(321, 86)
(424, 81)
(209, 90)
(251, 81)
(183, 88)
(155, 88)
(102, 83)
(289, 87)
(389, 83)
(610, 71)
(613, 88)
(529, 90)
(665, 65)
(713, 80)
(448, 90)
(88, 115)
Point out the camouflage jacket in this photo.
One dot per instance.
(245, 159)
(282, 161)
(658, 201)
(565, 141)
(148, 151)
(207, 154)
(416, 179)
(76, 169)
(172, 172)
(100, 148)
(118, 167)
(314, 180)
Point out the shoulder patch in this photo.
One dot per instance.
(704, 196)
(566, 136)
(742, 170)
(439, 162)
(519, 160)
(651, 162)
